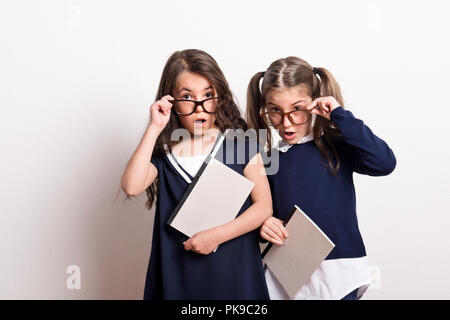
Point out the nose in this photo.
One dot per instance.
(198, 108)
(286, 122)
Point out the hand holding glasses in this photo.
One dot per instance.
(321, 106)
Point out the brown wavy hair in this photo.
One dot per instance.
(287, 73)
(228, 115)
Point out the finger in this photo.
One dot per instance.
(166, 103)
(187, 245)
(167, 98)
(168, 108)
(159, 106)
(163, 104)
(276, 228)
(263, 234)
(323, 109)
(323, 103)
(318, 111)
(312, 105)
(272, 225)
(272, 234)
(265, 237)
(271, 239)
(268, 230)
(283, 230)
(163, 109)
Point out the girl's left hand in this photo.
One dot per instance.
(203, 242)
(323, 106)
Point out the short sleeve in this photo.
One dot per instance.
(252, 148)
(156, 160)
(238, 148)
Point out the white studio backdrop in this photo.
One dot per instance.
(76, 82)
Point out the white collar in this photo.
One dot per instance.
(283, 146)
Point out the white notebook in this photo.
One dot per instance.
(304, 249)
(212, 199)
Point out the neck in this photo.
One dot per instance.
(197, 144)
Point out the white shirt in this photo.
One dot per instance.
(333, 279)
(284, 146)
(192, 164)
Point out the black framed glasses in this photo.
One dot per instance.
(184, 107)
(275, 118)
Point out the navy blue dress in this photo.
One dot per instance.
(234, 271)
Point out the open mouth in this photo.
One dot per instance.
(199, 122)
(288, 135)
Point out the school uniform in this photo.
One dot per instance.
(304, 179)
(233, 271)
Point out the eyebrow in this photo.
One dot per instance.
(302, 100)
(188, 90)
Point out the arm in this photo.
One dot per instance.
(206, 241)
(140, 172)
(372, 156)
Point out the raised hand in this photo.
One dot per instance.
(160, 112)
(323, 106)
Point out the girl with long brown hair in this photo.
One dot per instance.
(321, 146)
(194, 98)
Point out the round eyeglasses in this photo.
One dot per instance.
(275, 118)
(187, 107)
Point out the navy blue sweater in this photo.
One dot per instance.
(304, 179)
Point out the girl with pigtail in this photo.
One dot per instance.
(321, 146)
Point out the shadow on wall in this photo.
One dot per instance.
(116, 232)
(123, 228)
(122, 266)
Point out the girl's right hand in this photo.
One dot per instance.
(274, 231)
(160, 112)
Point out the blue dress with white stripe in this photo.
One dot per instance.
(234, 271)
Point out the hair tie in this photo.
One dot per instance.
(262, 76)
(315, 70)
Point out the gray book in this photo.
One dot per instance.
(303, 251)
(213, 198)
